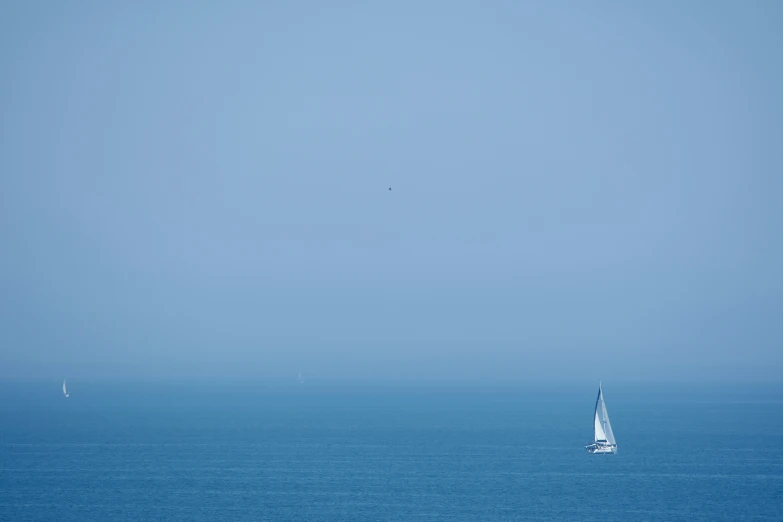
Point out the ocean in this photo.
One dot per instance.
(121, 452)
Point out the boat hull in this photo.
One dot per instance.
(597, 449)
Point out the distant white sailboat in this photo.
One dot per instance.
(65, 390)
(603, 437)
(301, 381)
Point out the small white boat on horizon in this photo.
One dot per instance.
(604, 442)
(65, 390)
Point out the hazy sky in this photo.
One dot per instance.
(580, 189)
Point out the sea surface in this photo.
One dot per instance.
(340, 453)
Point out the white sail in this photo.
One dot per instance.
(598, 421)
(599, 429)
(65, 390)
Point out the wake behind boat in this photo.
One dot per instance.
(603, 437)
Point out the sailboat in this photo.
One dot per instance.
(301, 381)
(603, 437)
(65, 390)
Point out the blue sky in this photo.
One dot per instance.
(580, 190)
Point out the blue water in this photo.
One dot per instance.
(180, 452)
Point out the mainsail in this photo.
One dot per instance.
(599, 428)
(603, 428)
(65, 391)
